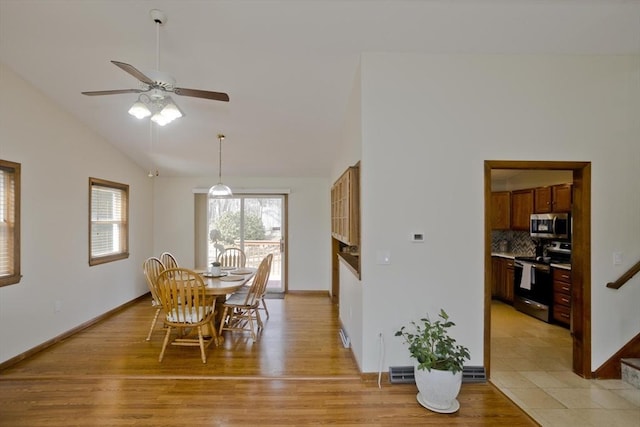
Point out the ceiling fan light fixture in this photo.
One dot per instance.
(171, 111)
(139, 110)
(159, 119)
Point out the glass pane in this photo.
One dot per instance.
(251, 223)
(224, 226)
(263, 234)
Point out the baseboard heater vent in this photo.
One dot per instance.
(474, 374)
(404, 374)
(346, 342)
(401, 375)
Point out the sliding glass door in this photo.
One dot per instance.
(253, 223)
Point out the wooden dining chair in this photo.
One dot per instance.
(232, 257)
(241, 310)
(187, 308)
(168, 260)
(152, 268)
(263, 291)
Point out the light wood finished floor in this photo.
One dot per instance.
(531, 363)
(297, 374)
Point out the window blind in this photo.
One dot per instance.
(7, 221)
(109, 219)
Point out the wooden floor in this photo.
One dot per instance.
(297, 374)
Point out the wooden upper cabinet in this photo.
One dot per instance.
(542, 200)
(556, 198)
(500, 210)
(521, 209)
(345, 207)
(562, 197)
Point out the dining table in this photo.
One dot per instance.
(231, 279)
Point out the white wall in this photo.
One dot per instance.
(58, 155)
(429, 122)
(350, 149)
(350, 309)
(309, 223)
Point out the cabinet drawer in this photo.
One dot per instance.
(562, 314)
(562, 288)
(561, 299)
(562, 275)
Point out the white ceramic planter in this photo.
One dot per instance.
(438, 389)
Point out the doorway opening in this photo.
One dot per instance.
(580, 321)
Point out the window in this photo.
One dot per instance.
(9, 223)
(108, 221)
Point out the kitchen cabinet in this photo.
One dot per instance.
(562, 296)
(500, 210)
(345, 207)
(521, 209)
(502, 279)
(555, 198)
(562, 197)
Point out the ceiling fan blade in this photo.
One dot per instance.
(134, 72)
(111, 92)
(216, 96)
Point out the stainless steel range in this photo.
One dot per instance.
(533, 281)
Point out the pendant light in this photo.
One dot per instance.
(220, 190)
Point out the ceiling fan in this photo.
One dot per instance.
(155, 85)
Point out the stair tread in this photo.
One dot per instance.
(631, 361)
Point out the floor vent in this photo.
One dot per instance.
(404, 374)
(346, 343)
(401, 374)
(474, 374)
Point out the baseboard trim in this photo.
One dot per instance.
(610, 370)
(302, 292)
(10, 362)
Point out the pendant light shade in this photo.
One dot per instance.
(220, 190)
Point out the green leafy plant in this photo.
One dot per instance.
(229, 227)
(433, 348)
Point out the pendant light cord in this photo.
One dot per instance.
(220, 159)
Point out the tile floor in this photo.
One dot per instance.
(531, 363)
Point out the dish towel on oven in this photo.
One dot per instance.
(527, 273)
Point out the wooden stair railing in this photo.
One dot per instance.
(625, 277)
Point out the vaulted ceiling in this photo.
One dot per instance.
(288, 66)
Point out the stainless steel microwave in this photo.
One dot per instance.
(550, 226)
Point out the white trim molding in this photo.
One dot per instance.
(240, 190)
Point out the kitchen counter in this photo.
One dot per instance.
(352, 261)
(511, 255)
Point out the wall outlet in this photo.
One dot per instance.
(57, 306)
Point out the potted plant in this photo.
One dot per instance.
(215, 268)
(439, 362)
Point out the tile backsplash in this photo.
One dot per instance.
(518, 242)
